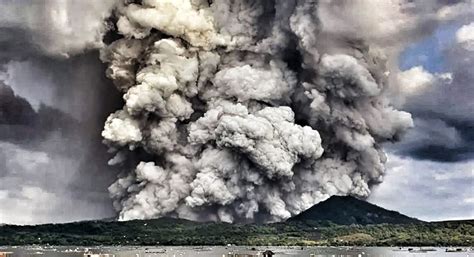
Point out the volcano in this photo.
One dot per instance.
(348, 210)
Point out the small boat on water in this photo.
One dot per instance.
(400, 249)
(76, 250)
(421, 250)
(267, 253)
(89, 254)
(158, 250)
(455, 250)
(202, 248)
(428, 249)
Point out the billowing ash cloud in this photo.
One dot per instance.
(245, 110)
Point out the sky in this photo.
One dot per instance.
(51, 66)
(432, 169)
(52, 109)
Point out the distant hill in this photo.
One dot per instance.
(347, 210)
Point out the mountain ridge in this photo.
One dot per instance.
(348, 210)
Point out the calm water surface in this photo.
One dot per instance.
(223, 251)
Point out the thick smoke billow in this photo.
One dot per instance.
(242, 111)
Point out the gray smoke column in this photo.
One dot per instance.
(242, 111)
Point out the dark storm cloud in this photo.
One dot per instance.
(20, 123)
(54, 166)
(438, 139)
(50, 158)
(47, 156)
(16, 43)
(14, 110)
(52, 107)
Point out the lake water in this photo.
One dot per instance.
(224, 251)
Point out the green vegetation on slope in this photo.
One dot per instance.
(181, 232)
(347, 210)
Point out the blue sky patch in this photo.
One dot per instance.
(429, 52)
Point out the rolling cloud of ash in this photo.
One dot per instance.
(242, 110)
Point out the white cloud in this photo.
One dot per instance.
(427, 190)
(3, 194)
(465, 36)
(415, 79)
(469, 200)
(461, 174)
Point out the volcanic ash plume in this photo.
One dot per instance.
(242, 111)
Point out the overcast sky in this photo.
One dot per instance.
(53, 166)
